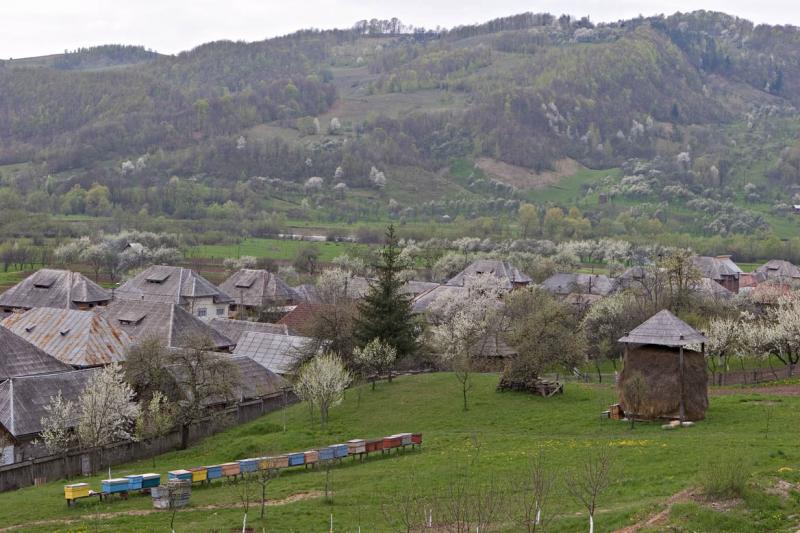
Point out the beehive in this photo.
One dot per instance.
(135, 482)
(182, 475)
(405, 438)
(416, 438)
(280, 461)
(326, 454)
(76, 490)
(213, 472)
(374, 445)
(340, 450)
(311, 457)
(356, 446)
(150, 480)
(230, 469)
(392, 441)
(199, 473)
(296, 459)
(248, 465)
(110, 486)
(264, 463)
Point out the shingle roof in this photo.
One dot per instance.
(258, 288)
(19, 357)
(716, 267)
(307, 293)
(568, 283)
(415, 288)
(502, 270)
(422, 302)
(234, 329)
(23, 399)
(778, 268)
(170, 284)
(664, 329)
(256, 380)
(297, 319)
(77, 338)
(709, 287)
(172, 325)
(277, 353)
(60, 289)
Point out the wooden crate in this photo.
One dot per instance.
(616, 412)
(76, 490)
(356, 446)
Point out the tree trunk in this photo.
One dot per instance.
(184, 436)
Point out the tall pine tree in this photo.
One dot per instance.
(385, 312)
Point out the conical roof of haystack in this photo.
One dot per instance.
(664, 329)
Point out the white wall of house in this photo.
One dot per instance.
(205, 308)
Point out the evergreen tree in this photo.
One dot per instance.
(385, 312)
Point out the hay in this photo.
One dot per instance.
(659, 366)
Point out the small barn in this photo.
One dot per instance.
(675, 377)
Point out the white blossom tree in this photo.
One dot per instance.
(313, 184)
(156, 419)
(57, 434)
(374, 358)
(377, 178)
(335, 126)
(321, 383)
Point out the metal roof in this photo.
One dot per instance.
(565, 283)
(170, 284)
(234, 329)
(19, 357)
(61, 289)
(23, 399)
(716, 267)
(77, 338)
(778, 268)
(502, 270)
(664, 329)
(257, 288)
(277, 353)
(422, 302)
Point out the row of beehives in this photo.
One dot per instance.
(243, 466)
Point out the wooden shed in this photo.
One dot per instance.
(675, 377)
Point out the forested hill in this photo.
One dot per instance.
(697, 108)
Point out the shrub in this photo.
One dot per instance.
(725, 477)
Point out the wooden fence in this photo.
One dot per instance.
(82, 462)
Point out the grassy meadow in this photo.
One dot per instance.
(492, 442)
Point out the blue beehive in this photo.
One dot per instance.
(214, 472)
(135, 482)
(340, 450)
(248, 465)
(150, 480)
(110, 486)
(183, 475)
(297, 459)
(326, 454)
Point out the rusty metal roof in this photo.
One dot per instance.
(664, 329)
(61, 289)
(19, 357)
(77, 338)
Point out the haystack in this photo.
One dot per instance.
(676, 379)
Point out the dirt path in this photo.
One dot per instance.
(141, 512)
(661, 516)
(778, 390)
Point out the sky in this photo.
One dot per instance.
(41, 27)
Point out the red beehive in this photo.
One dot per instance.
(392, 441)
(416, 438)
(374, 445)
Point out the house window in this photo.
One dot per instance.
(201, 311)
(220, 311)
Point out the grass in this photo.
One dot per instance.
(508, 429)
(569, 190)
(278, 249)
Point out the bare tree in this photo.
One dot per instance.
(263, 477)
(591, 479)
(243, 487)
(406, 510)
(634, 390)
(537, 486)
(156, 419)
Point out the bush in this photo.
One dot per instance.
(725, 477)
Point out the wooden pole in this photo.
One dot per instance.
(683, 407)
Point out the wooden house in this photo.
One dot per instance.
(59, 289)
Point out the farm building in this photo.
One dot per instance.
(508, 274)
(276, 353)
(77, 338)
(253, 290)
(181, 286)
(19, 357)
(675, 378)
(22, 406)
(60, 289)
(172, 325)
(720, 269)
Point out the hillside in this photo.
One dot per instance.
(687, 121)
(493, 442)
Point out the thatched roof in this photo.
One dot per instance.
(171, 285)
(23, 399)
(172, 325)
(19, 357)
(234, 329)
(258, 288)
(61, 289)
(507, 273)
(277, 353)
(664, 329)
(77, 338)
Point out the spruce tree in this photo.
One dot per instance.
(385, 312)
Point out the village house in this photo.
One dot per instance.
(720, 269)
(180, 286)
(19, 357)
(298, 320)
(254, 290)
(60, 289)
(509, 275)
(780, 270)
(234, 329)
(276, 353)
(172, 325)
(580, 290)
(77, 338)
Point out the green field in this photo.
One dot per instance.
(282, 250)
(491, 441)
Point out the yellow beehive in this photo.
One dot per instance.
(77, 490)
(264, 463)
(199, 474)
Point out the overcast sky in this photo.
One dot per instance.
(39, 27)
